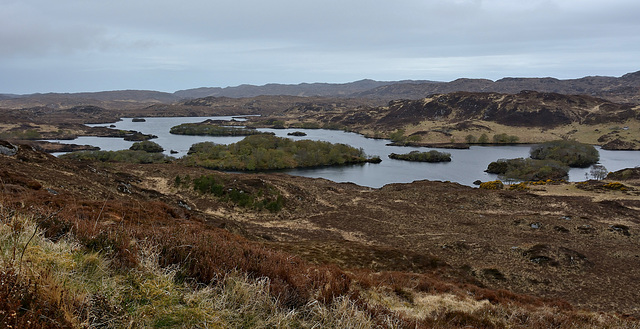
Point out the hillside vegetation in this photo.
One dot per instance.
(465, 117)
(78, 252)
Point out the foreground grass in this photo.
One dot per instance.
(76, 287)
(65, 268)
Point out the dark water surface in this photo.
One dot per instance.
(466, 165)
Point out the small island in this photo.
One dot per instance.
(209, 128)
(528, 169)
(549, 160)
(147, 146)
(266, 152)
(431, 156)
(138, 120)
(297, 133)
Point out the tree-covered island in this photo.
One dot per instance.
(549, 160)
(266, 152)
(210, 128)
(431, 156)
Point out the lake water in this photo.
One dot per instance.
(466, 165)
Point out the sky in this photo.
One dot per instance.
(91, 45)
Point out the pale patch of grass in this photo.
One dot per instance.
(428, 305)
(423, 305)
(570, 189)
(159, 184)
(529, 135)
(7, 126)
(342, 313)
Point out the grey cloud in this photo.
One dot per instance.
(335, 40)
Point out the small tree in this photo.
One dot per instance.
(397, 136)
(414, 138)
(598, 172)
(470, 139)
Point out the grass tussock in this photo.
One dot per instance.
(68, 263)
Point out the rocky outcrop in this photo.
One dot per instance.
(7, 148)
(622, 89)
(618, 144)
(527, 108)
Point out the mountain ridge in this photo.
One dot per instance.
(624, 89)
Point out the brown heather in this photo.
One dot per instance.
(205, 255)
(90, 259)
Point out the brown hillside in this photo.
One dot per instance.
(625, 89)
(568, 247)
(527, 108)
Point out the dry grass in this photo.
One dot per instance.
(583, 133)
(570, 189)
(120, 263)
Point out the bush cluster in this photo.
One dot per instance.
(430, 156)
(147, 146)
(505, 139)
(519, 186)
(571, 153)
(492, 185)
(615, 186)
(266, 152)
(497, 139)
(262, 196)
(26, 134)
(128, 156)
(398, 138)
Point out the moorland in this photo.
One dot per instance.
(110, 244)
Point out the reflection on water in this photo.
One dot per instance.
(466, 165)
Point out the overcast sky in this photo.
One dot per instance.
(91, 45)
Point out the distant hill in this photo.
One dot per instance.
(524, 109)
(303, 89)
(623, 89)
(122, 99)
(7, 96)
